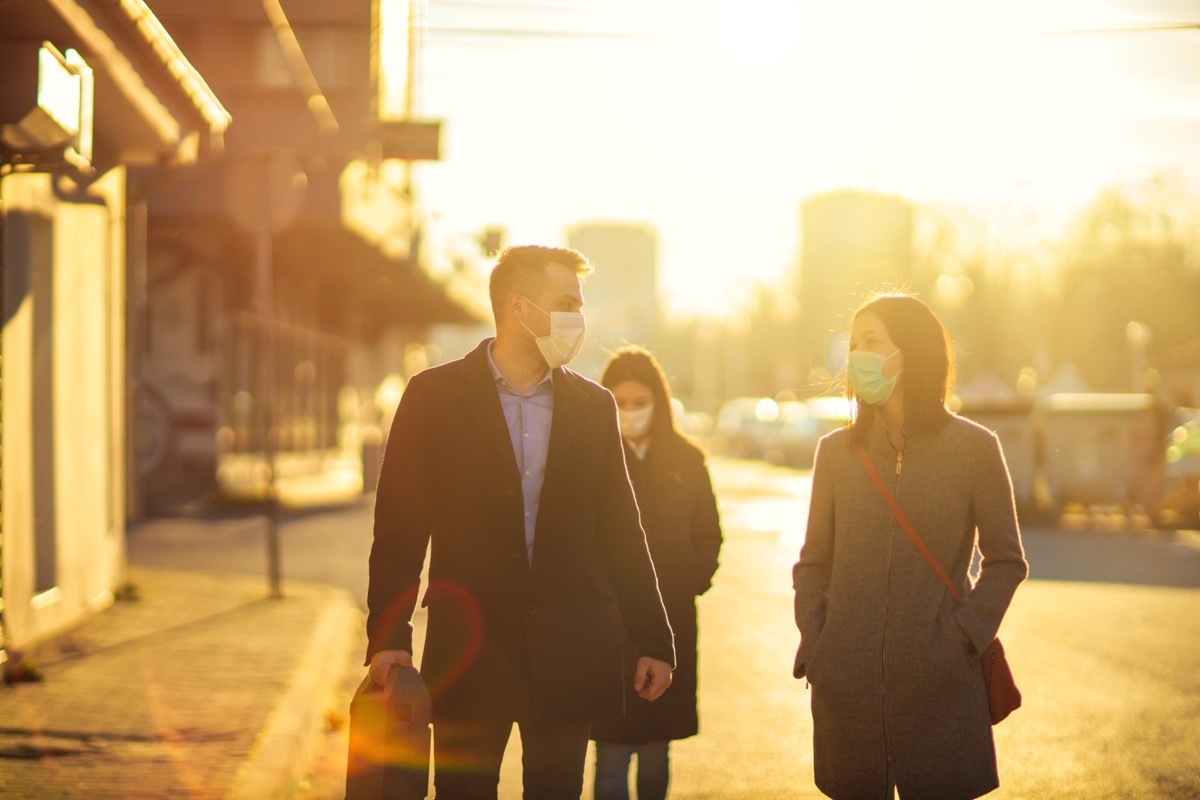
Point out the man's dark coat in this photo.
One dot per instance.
(505, 638)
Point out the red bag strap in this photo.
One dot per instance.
(909, 530)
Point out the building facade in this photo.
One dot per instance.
(91, 90)
(265, 314)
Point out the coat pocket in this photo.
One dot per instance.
(603, 587)
(806, 656)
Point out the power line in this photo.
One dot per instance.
(609, 19)
(1165, 26)
(541, 33)
(544, 5)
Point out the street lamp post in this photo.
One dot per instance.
(1138, 335)
(265, 193)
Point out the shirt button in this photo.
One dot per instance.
(526, 472)
(526, 435)
(532, 610)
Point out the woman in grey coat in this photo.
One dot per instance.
(898, 700)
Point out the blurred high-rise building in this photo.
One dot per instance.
(852, 243)
(621, 296)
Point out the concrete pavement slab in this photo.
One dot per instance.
(202, 687)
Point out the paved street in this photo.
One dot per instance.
(1104, 641)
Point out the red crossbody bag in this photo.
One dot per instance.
(1002, 693)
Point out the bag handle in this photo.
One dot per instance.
(907, 526)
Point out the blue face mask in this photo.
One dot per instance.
(865, 371)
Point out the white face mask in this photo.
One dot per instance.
(567, 330)
(635, 423)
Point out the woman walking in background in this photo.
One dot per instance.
(898, 699)
(683, 531)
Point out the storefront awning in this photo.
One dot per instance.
(383, 291)
(151, 105)
(326, 276)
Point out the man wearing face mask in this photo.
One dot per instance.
(509, 468)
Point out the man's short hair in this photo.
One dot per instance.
(522, 268)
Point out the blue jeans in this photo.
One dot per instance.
(612, 770)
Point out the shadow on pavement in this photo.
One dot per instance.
(1146, 558)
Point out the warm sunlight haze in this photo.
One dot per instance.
(712, 121)
(467, 397)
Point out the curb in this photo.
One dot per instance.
(288, 741)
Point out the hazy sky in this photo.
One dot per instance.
(713, 120)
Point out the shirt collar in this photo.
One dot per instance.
(499, 379)
(639, 449)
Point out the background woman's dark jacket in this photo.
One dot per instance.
(683, 530)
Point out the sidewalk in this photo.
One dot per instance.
(200, 687)
(203, 686)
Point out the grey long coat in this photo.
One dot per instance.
(890, 658)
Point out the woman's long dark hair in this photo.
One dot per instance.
(637, 364)
(928, 373)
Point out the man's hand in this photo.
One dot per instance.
(652, 678)
(384, 660)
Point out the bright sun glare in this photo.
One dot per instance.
(718, 124)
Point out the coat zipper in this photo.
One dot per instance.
(886, 598)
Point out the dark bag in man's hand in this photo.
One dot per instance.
(389, 738)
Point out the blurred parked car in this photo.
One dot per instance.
(695, 424)
(744, 426)
(801, 424)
